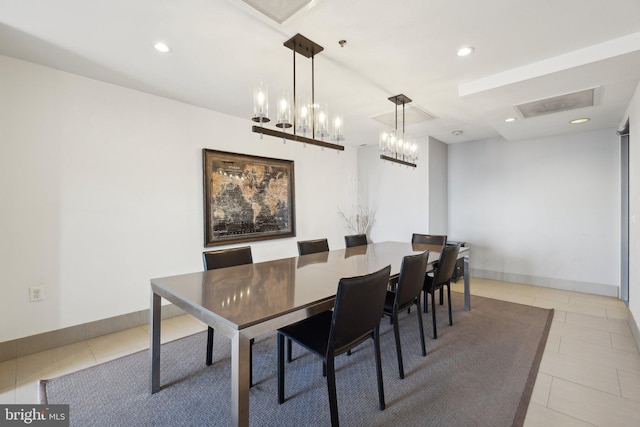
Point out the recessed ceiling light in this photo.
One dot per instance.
(464, 51)
(579, 121)
(456, 132)
(162, 47)
(510, 119)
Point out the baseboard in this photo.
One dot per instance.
(633, 325)
(52, 339)
(548, 282)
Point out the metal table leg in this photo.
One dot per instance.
(240, 347)
(467, 289)
(154, 346)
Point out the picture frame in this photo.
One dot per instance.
(247, 198)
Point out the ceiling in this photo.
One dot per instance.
(524, 51)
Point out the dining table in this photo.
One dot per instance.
(245, 301)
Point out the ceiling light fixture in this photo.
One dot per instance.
(579, 121)
(510, 119)
(162, 47)
(398, 148)
(465, 51)
(310, 116)
(457, 132)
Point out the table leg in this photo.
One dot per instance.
(154, 346)
(467, 289)
(240, 347)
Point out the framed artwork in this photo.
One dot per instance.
(247, 198)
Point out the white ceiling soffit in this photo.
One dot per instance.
(278, 10)
(571, 60)
(412, 114)
(555, 104)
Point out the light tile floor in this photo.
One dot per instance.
(589, 375)
(590, 370)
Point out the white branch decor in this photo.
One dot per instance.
(362, 221)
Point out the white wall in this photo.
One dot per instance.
(101, 190)
(543, 211)
(634, 208)
(399, 194)
(438, 187)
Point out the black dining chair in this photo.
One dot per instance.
(407, 294)
(220, 259)
(306, 247)
(429, 239)
(354, 319)
(441, 278)
(355, 240)
(458, 272)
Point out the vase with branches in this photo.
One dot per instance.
(361, 221)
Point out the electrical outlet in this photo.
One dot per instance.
(36, 293)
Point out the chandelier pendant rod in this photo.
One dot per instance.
(396, 136)
(295, 107)
(404, 141)
(313, 97)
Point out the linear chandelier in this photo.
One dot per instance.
(306, 116)
(395, 147)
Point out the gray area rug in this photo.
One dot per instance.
(479, 372)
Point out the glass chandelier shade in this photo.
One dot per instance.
(398, 145)
(284, 111)
(338, 128)
(321, 112)
(303, 116)
(261, 103)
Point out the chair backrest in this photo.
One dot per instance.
(358, 308)
(446, 264)
(429, 239)
(411, 278)
(227, 257)
(313, 246)
(355, 240)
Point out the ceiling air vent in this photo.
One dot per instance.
(570, 101)
(278, 10)
(412, 114)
